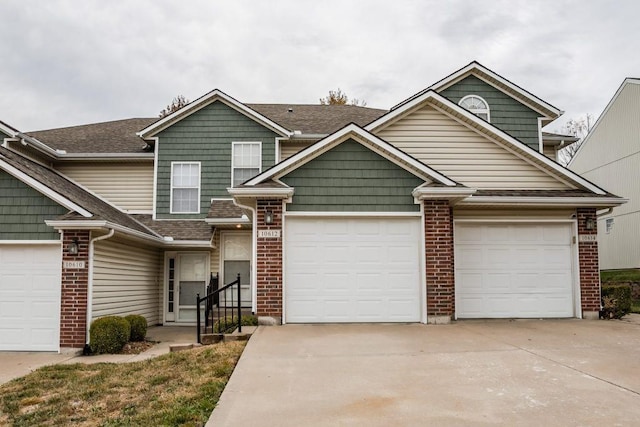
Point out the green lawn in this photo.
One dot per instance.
(175, 389)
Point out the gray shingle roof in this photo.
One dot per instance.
(315, 118)
(178, 229)
(540, 193)
(118, 136)
(61, 185)
(224, 209)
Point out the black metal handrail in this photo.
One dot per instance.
(213, 298)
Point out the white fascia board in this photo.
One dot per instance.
(5, 128)
(227, 221)
(475, 66)
(106, 156)
(41, 188)
(188, 243)
(38, 145)
(101, 224)
(496, 132)
(601, 117)
(30, 242)
(202, 102)
(76, 224)
(545, 201)
(283, 193)
(325, 144)
(422, 193)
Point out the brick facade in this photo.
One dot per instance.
(75, 281)
(269, 261)
(588, 262)
(438, 228)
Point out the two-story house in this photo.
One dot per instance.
(443, 207)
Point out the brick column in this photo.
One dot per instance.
(269, 263)
(589, 269)
(75, 281)
(438, 228)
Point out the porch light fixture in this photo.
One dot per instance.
(72, 248)
(590, 224)
(268, 217)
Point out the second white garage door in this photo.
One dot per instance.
(352, 270)
(516, 270)
(30, 297)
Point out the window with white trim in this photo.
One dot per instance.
(246, 161)
(476, 105)
(185, 187)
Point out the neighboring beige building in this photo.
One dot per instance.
(610, 157)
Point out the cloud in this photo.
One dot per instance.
(68, 62)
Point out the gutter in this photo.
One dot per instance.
(604, 202)
(112, 231)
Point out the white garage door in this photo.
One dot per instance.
(30, 297)
(513, 270)
(352, 270)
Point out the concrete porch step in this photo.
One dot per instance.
(246, 333)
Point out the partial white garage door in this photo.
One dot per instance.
(352, 270)
(30, 297)
(513, 270)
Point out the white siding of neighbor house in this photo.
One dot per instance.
(288, 149)
(127, 280)
(463, 154)
(610, 158)
(126, 185)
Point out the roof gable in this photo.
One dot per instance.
(490, 77)
(356, 133)
(492, 133)
(211, 97)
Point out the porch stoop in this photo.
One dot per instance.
(247, 331)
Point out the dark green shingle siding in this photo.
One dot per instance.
(352, 178)
(206, 137)
(23, 211)
(508, 114)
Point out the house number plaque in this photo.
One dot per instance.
(73, 264)
(588, 238)
(269, 234)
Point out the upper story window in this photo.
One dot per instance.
(476, 105)
(245, 162)
(185, 187)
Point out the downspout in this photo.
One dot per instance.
(90, 285)
(254, 254)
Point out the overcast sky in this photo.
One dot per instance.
(75, 62)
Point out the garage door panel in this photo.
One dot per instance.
(361, 265)
(515, 270)
(30, 297)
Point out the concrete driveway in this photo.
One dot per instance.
(524, 372)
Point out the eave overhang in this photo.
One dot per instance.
(262, 192)
(600, 202)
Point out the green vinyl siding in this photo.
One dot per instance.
(508, 114)
(23, 211)
(352, 178)
(206, 136)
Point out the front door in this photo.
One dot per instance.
(188, 274)
(236, 259)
